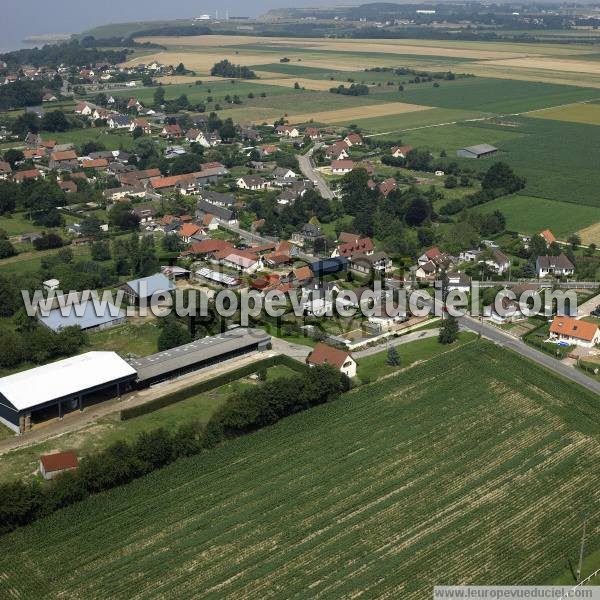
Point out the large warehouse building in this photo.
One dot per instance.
(199, 354)
(51, 390)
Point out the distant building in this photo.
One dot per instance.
(478, 151)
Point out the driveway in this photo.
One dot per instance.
(308, 170)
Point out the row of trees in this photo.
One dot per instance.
(122, 462)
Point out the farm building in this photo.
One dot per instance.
(50, 390)
(478, 151)
(52, 465)
(140, 291)
(84, 315)
(338, 359)
(199, 354)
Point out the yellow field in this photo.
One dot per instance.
(550, 64)
(590, 235)
(309, 84)
(357, 112)
(574, 113)
(183, 79)
(202, 62)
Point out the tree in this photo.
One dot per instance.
(574, 241)
(101, 251)
(13, 156)
(47, 241)
(172, 334)
(9, 191)
(448, 331)
(6, 249)
(55, 121)
(90, 226)
(393, 357)
(120, 216)
(450, 182)
(159, 96)
(501, 180)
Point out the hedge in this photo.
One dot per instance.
(210, 384)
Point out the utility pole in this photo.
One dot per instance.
(581, 549)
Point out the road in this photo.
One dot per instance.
(587, 307)
(308, 170)
(507, 341)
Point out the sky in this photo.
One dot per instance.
(23, 18)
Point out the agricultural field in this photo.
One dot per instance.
(530, 215)
(393, 502)
(575, 113)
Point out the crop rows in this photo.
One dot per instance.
(477, 475)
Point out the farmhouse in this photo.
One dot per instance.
(572, 331)
(478, 151)
(48, 391)
(338, 359)
(52, 465)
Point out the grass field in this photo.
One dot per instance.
(529, 215)
(394, 501)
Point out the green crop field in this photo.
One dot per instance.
(529, 215)
(420, 478)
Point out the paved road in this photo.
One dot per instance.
(587, 307)
(507, 341)
(308, 170)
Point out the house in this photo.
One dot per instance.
(186, 183)
(353, 139)
(470, 255)
(218, 198)
(268, 149)
(337, 151)
(5, 170)
(548, 237)
(141, 124)
(210, 222)
(313, 133)
(572, 331)
(49, 97)
(27, 175)
(432, 254)
(283, 173)
(195, 136)
(385, 317)
(144, 213)
(207, 248)
(33, 140)
(478, 151)
(52, 465)
(338, 359)
(119, 122)
(252, 182)
(498, 262)
(387, 186)
(171, 132)
(364, 264)
(302, 275)
(223, 215)
(134, 104)
(400, 151)
(308, 234)
(85, 109)
(341, 167)
(559, 266)
(62, 160)
(287, 131)
(355, 247)
(240, 260)
(329, 266)
(97, 163)
(140, 291)
(459, 282)
(187, 231)
(68, 187)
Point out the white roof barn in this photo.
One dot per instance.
(63, 378)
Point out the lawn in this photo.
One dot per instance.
(129, 338)
(23, 462)
(17, 224)
(375, 366)
(421, 478)
(529, 215)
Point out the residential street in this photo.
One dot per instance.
(517, 345)
(306, 166)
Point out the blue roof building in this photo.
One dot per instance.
(85, 315)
